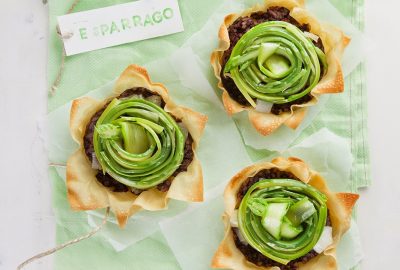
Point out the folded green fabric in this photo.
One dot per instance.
(344, 115)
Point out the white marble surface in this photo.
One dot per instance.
(27, 223)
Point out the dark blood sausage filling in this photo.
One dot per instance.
(238, 28)
(253, 255)
(106, 179)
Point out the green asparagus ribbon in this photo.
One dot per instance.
(275, 62)
(138, 143)
(282, 218)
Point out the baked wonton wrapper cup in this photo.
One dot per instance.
(340, 206)
(86, 193)
(334, 42)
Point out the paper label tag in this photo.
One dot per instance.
(105, 27)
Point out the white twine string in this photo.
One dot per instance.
(66, 244)
(52, 164)
(57, 81)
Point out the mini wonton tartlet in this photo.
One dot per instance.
(284, 176)
(89, 188)
(243, 68)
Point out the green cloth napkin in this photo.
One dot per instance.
(344, 114)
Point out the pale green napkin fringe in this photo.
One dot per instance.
(356, 92)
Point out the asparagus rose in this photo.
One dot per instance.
(282, 218)
(275, 62)
(138, 143)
